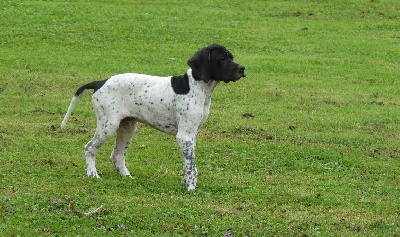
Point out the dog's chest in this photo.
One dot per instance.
(190, 110)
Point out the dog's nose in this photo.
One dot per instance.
(241, 70)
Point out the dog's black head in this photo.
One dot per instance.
(215, 63)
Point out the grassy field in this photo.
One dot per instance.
(308, 144)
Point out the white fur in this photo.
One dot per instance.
(69, 111)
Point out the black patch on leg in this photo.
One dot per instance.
(180, 84)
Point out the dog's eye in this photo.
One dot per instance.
(223, 58)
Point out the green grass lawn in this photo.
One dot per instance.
(308, 144)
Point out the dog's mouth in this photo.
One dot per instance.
(235, 79)
(239, 74)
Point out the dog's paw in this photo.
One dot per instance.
(191, 188)
(124, 172)
(93, 174)
(190, 180)
(129, 176)
(190, 185)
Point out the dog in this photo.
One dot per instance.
(176, 105)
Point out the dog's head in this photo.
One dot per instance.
(215, 63)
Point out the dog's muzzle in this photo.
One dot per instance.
(237, 74)
(241, 71)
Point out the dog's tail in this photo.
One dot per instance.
(90, 86)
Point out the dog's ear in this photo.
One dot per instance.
(200, 64)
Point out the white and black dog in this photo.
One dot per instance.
(177, 105)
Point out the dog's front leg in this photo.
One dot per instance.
(187, 145)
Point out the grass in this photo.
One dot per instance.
(307, 145)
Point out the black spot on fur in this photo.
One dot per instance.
(180, 84)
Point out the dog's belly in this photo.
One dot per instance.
(163, 120)
(164, 127)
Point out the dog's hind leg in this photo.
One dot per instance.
(104, 131)
(125, 132)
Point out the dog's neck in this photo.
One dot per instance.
(208, 86)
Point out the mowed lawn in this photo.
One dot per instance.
(308, 144)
